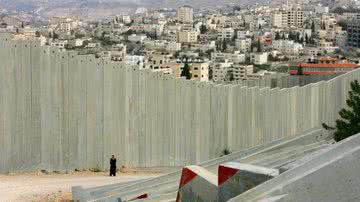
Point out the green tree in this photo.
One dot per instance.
(349, 124)
(313, 27)
(55, 35)
(186, 71)
(258, 46)
(297, 37)
(307, 40)
(343, 24)
(224, 45)
(300, 70)
(277, 36)
(203, 29)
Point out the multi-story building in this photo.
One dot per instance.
(353, 31)
(199, 71)
(186, 36)
(157, 59)
(220, 70)
(279, 19)
(351, 16)
(287, 47)
(243, 45)
(226, 34)
(295, 17)
(231, 71)
(323, 67)
(227, 57)
(259, 58)
(136, 38)
(341, 39)
(185, 14)
(326, 46)
(288, 18)
(241, 71)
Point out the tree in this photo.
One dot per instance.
(283, 36)
(349, 124)
(301, 40)
(313, 27)
(258, 46)
(229, 76)
(210, 73)
(55, 35)
(224, 45)
(297, 37)
(343, 24)
(186, 71)
(307, 38)
(37, 34)
(300, 70)
(277, 36)
(203, 29)
(237, 8)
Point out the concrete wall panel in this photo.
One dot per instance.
(59, 110)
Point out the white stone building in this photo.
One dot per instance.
(287, 47)
(185, 14)
(243, 45)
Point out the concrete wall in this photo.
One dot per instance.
(59, 110)
(285, 81)
(332, 175)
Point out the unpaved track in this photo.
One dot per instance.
(55, 187)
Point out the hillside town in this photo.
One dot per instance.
(179, 100)
(215, 44)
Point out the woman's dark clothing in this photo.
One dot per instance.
(113, 167)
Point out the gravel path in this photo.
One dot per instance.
(55, 187)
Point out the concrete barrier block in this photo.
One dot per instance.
(236, 178)
(79, 194)
(197, 184)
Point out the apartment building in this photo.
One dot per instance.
(243, 45)
(288, 18)
(226, 34)
(185, 14)
(353, 32)
(199, 71)
(186, 36)
(227, 57)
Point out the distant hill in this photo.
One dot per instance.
(29, 5)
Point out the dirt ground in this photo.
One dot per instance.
(53, 187)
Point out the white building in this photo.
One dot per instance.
(136, 38)
(243, 44)
(226, 34)
(321, 9)
(173, 46)
(287, 47)
(241, 71)
(59, 44)
(185, 14)
(259, 58)
(186, 36)
(135, 60)
(244, 34)
(220, 70)
(227, 57)
(288, 18)
(279, 20)
(341, 39)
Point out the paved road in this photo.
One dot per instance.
(55, 187)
